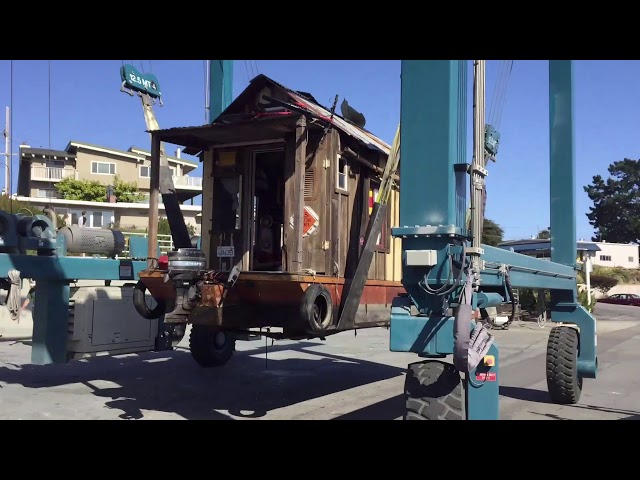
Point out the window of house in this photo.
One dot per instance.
(47, 193)
(55, 163)
(103, 168)
(342, 180)
(95, 218)
(145, 171)
(632, 259)
(605, 258)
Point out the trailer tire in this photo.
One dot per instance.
(211, 346)
(563, 381)
(140, 303)
(434, 391)
(316, 308)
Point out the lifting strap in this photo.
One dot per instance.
(469, 348)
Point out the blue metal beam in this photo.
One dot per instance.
(71, 268)
(433, 122)
(220, 87)
(562, 162)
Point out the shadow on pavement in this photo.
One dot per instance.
(527, 394)
(245, 388)
(389, 409)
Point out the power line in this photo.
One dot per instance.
(10, 159)
(49, 104)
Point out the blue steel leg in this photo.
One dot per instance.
(483, 389)
(564, 303)
(432, 218)
(50, 322)
(220, 87)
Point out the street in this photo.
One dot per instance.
(347, 377)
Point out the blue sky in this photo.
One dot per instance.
(86, 105)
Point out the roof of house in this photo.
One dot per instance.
(543, 244)
(133, 152)
(299, 102)
(46, 152)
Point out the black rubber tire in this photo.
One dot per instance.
(563, 381)
(140, 303)
(206, 349)
(433, 391)
(316, 308)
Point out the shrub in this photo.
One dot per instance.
(603, 283)
(584, 300)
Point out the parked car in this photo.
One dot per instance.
(622, 299)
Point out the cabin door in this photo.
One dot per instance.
(267, 212)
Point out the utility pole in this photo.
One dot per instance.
(7, 154)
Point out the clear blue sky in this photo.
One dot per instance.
(86, 105)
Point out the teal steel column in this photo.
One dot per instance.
(50, 321)
(432, 123)
(220, 87)
(562, 159)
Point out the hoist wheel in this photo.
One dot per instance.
(211, 346)
(433, 391)
(563, 381)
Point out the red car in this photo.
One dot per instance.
(622, 299)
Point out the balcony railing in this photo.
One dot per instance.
(188, 182)
(52, 174)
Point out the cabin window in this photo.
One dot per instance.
(342, 181)
(381, 243)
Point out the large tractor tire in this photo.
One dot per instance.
(563, 381)
(434, 391)
(211, 346)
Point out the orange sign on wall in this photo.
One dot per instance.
(310, 221)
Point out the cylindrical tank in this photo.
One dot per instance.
(93, 241)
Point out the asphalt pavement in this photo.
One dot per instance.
(346, 377)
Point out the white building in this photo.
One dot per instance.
(602, 253)
(616, 255)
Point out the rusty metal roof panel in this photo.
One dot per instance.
(350, 129)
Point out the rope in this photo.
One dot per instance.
(13, 299)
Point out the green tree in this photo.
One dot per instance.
(164, 229)
(84, 190)
(492, 233)
(615, 214)
(94, 191)
(126, 192)
(544, 234)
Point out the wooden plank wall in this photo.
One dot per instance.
(315, 248)
(207, 205)
(295, 155)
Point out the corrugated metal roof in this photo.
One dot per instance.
(367, 138)
(303, 100)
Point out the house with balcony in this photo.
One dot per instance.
(41, 169)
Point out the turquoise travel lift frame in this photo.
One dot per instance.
(448, 274)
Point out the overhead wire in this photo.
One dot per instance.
(10, 133)
(499, 93)
(246, 69)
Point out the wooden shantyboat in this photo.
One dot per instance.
(288, 191)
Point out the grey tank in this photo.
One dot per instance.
(93, 241)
